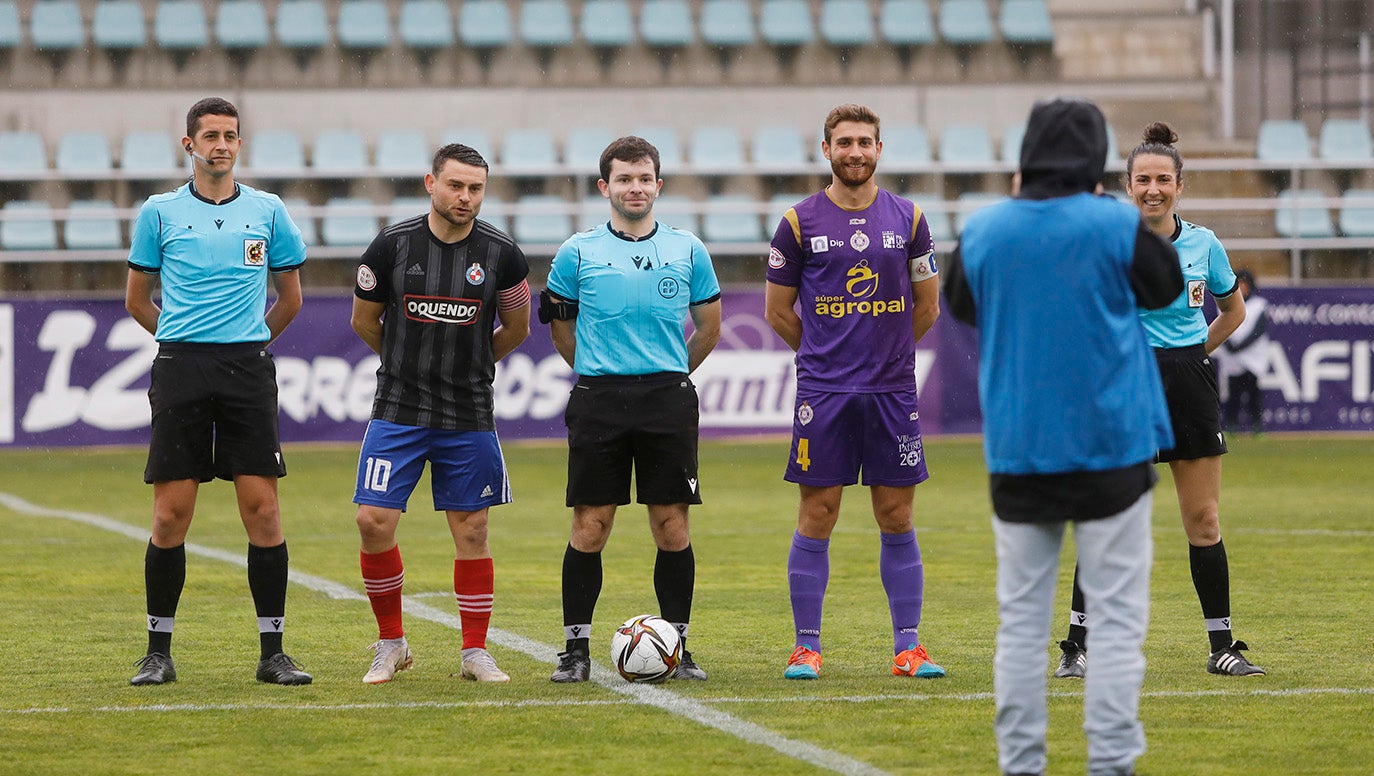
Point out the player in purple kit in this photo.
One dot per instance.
(849, 289)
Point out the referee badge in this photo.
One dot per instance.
(254, 253)
(805, 413)
(476, 275)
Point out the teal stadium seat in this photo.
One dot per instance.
(906, 23)
(83, 153)
(476, 139)
(179, 27)
(241, 26)
(529, 151)
(1011, 144)
(55, 26)
(485, 27)
(275, 153)
(906, 147)
(583, 146)
(364, 26)
(347, 222)
(11, 31)
(731, 218)
(607, 26)
(1356, 216)
(941, 230)
(847, 23)
(970, 202)
(492, 207)
(22, 155)
(296, 207)
(966, 145)
(716, 150)
(546, 26)
(119, 25)
(403, 153)
(677, 211)
(92, 226)
(778, 205)
(149, 154)
(727, 26)
(666, 25)
(965, 22)
(781, 149)
(1026, 22)
(1292, 219)
(302, 28)
(1345, 140)
(341, 152)
(593, 210)
(665, 139)
(786, 25)
(28, 226)
(1283, 141)
(425, 26)
(402, 208)
(542, 219)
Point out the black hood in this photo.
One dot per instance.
(1064, 150)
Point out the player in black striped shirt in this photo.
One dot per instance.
(430, 291)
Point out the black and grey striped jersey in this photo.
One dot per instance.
(441, 306)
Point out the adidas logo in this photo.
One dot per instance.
(415, 270)
(486, 491)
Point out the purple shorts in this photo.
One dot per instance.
(834, 435)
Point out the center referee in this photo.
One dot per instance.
(616, 302)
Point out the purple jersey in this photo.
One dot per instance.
(853, 271)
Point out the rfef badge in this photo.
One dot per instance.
(254, 253)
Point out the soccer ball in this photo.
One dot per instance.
(646, 649)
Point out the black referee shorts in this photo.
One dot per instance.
(214, 413)
(648, 422)
(1190, 388)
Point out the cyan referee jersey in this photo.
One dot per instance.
(1205, 268)
(214, 260)
(633, 297)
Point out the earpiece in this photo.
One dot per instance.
(188, 148)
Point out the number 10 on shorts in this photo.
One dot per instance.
(378, 475)
(804, 453)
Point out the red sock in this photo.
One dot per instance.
(383, 576)
(473, 583)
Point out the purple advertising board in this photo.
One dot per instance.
(75, 372)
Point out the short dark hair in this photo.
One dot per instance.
(852, 112)
(459, 153)
(210, 106)
(1159, 139)
(628, 149)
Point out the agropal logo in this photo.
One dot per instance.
(862, 280)
(441, 309)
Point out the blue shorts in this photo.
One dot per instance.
(835, 435)
(467, 471)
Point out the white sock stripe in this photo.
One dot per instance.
(378, 591)
(395, 578)
(1078, 618)
(1217, 623)
(475, 599)
(271, 624)
(160, 624)
(577, 631)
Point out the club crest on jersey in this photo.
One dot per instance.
(476, 275)
(775, 258)
(805, 414)
(254, 253)
(441, 309)
(366, 279)
(820, 244)
(858, 241)
(1195, 289)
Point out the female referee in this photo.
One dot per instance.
(1182, 340)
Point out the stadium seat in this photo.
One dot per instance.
(485, 27)
(92, 226)
(402, 208)
(403, 152)
(119, 25)
(33, 230)
(727, 25)
(529, 151)
(1356, 217)
(970, 202)
(302, 28)
(546, 26)
(1345, 140)
(666, 25)
(847, 23)
(364, 27)
(241, 26)
(583, 146)
(340, 151)
(542, 219)
(83, 153)
(941, 230)
(476, 139)
(665, 139)
(1291, 219)
(11, 31)
(1283, 141)
(594, 210)
(905, 146)
(778, 205)
(731, 218)
(965, 22)
(275, 152)
(1026, 22)
(786, 25)
(966, 145)
(1011, 144)
(347, 222)
(716, 150)
(22, 154)
(296, 207)
(493, 208)
(179, 27)
(779, 148)
(677, 211)
(425, 26)
(906, 23)
(55, 26)
(607, 26)
(149, 154)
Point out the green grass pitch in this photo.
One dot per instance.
(1296, 515)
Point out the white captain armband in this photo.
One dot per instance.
(922, 267)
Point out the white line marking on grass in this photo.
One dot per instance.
(651, 696)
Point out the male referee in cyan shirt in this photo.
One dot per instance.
(213, 242)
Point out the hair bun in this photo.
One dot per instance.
(1160, 133)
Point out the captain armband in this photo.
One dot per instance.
(553, 309)
(922, 267)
